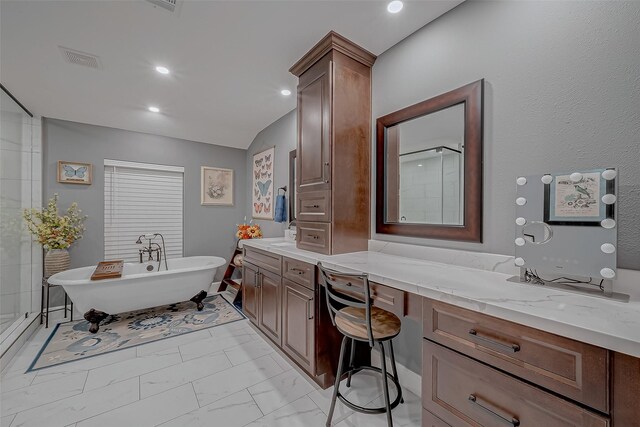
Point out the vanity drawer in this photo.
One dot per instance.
(314, 236)
(430, 420)
(314, 206)
(263, 259)
(464, 392)
(299, 272)
(387, 298)
(576, 370)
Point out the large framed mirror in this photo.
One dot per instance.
(429, 167)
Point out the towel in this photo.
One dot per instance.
(281, 209)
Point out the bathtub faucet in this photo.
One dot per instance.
(152, 248)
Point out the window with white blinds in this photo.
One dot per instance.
(141, 198)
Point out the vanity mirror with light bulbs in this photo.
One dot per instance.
(566, 230)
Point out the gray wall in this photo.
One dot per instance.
(209, 230)
(561, 93)
(282, 135)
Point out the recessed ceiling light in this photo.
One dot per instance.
(420, 165)
(395, 6)
(162, 70)
(285, 92)
(154, 109)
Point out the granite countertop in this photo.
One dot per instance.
(603, 322)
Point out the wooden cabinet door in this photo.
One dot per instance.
(298, 331)
(270, 311)
(250, 291)
(314, 133)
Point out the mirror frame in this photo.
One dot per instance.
(292, 186)
(471, 229)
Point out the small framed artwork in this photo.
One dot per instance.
(579, 198)
(216, 186)
(74, 173)
(262, 188)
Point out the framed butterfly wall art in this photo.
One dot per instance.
(262, 204)
(74, 173)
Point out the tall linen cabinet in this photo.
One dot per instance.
(333, 150)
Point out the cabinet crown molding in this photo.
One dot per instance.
(332, 41)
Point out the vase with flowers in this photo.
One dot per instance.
(55, 232)
(248, 231)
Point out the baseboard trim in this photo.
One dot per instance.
(13, 343)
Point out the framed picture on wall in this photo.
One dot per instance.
(580, 198)
(216, 186)
(74, 173)
(262, 190)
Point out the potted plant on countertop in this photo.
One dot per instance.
(55, 233)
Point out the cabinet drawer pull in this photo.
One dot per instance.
(312, 206)
(513, 348)
(297, 270)
(314, 236)
(309, 309)
(510, 420)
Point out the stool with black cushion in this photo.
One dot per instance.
(353, 314)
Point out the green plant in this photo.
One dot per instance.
(50, 229)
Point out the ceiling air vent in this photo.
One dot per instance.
(80, 58)
(170, 5)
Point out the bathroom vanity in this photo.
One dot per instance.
(495, 352)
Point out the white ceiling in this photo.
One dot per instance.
(228, 59)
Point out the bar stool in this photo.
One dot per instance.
(352, 313)
(44, 314)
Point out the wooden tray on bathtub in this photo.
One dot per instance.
(108, 270)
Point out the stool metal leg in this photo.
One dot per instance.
(393, 367)
(351, 360)
(66, 301)
(72, 311)
(385, 383)
(336, 386)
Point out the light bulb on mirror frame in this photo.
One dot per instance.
(608, 223)
(607, 248)
(575, 177)
(609, 174)
(609, 199)
(607, 273)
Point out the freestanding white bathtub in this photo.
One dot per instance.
(138, 288)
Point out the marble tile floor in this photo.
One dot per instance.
(224, 376)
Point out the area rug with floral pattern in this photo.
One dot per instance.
(72, 341)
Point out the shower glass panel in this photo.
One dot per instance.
(430, 186)
(15, 195)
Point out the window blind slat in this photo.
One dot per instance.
(139, 201)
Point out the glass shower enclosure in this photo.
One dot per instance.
(16, 194)
(431, 186)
